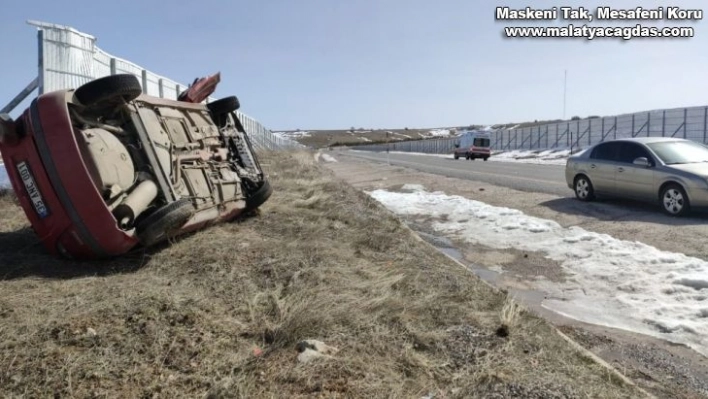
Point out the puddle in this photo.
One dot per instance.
(532, 299)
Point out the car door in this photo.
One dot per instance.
(635, 181)
(602, 165)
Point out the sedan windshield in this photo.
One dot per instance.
(678, 152)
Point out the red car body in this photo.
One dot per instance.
(210, 173)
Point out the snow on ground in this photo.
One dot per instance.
(614, 283)
(551, 157)
(329, 158)
(440, 132)
(4, 180)
(291, 135)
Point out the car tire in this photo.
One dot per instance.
(109, 90)
(673, 200)
(583, 188)
(467, 157)
(456, 156)
(259, 197)
(159, 225)
(485, 158)
(224, 105)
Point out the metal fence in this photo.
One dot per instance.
(687, 123)
(69, 58)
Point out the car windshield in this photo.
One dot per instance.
(678, 152)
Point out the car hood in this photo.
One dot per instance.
(700, 169)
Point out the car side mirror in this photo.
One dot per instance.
(642, 161)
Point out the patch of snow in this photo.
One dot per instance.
(439, 132)
(615, 283)
(365, 139)
(401, 134)
(329, 158)
(292, 135)
(551, 157)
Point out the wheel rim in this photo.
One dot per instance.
(582, 188)
(673, 201)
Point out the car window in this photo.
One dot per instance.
(605, 151)
(481, 142)
(631, 151)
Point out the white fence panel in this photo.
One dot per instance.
(69, 58)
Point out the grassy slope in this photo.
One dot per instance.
(322, 261)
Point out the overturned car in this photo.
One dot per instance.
(102, 169)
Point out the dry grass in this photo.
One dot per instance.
(219, 313)
(333, 138)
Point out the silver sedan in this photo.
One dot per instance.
(672, 172)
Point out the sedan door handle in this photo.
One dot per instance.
(620, 169)
(592, 166)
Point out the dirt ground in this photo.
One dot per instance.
(665, 369)
(231, 312)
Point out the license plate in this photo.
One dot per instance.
(32, 190)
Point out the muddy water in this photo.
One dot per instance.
(532, 299)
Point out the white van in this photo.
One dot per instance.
(474, 144)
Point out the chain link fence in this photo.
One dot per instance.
(686, 123)
(69, 58)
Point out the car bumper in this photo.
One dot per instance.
(698, 197)
(55, 188)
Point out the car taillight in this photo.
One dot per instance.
(8, 131)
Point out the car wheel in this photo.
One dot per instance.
(224, 105)
(259, 197)
(583, 189)
(467, 157)
(165, 221)
(485, 158)
(109, 90)
(674, 200)
(456, 156)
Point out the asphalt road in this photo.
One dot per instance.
(520, 176)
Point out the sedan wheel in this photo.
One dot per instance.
(583, 189)
(674, 200)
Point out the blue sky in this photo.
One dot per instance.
(319, 64)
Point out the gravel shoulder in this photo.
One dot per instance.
(665, 369)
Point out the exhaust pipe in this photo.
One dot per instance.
(135, 203)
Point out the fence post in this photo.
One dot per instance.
(615, 133)
(557, 131)
(685, 118)
(602, 130)
(113, 66)
(546, 136)
(663, 124)
(145, 81)
(568, 139)
(633, 125)
(705, 123)
(648, 123)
